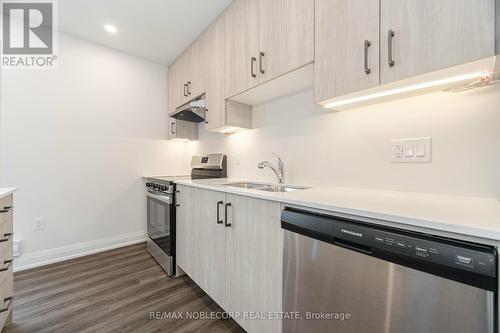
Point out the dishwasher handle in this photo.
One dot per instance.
(353, 246)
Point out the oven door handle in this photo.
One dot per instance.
(163, 198)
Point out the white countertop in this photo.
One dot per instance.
(469, 216)
(4, 191)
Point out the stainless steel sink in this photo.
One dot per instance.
(266, 187)
(246, 185)
(282, 188)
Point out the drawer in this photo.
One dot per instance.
(7, 202)
(5, 309)
(6, 221)
(6, 250)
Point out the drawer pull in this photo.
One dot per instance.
(6, 307)
(6, 268)
(6, 209)
(7, 237)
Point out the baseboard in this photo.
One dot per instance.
(45, 257)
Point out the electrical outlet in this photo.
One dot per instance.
(16, 248)
(38, 223)
(416, 150)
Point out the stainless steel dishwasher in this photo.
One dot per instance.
(347, 276)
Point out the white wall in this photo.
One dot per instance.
(76, 141)
(351, 148)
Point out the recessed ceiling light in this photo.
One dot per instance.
(110, 28)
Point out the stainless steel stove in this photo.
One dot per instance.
(161, 217)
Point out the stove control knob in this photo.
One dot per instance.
(149, 184)
(164, 188)
(156, 186)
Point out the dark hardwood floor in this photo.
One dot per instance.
(113, 291)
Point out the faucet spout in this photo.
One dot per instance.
(278, 170)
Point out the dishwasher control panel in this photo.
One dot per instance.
(441, 253)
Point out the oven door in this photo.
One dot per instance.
(161, 221)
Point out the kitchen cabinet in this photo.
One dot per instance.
(254, 260)
(184, 228)
(241, 46)
(180, 129)
(209, 245)
(6, 256)
(286, 29)
(347, 47)
(235, 258)
(265, 39)
(415, 37)
(420, 36)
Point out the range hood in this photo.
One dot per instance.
(193, 111)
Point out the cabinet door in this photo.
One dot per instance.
(209, 247)
(213, 46)
(184, 229)
(431, 35)
(196, 69)
(241, 39)
(286, 36)
(181, 129)
(347, 47)
(175, 86)
(254, 260)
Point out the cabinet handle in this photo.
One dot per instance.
(225, 215)
(219, 221)
(6, 307)
(6, 209)
(185, 89)
(6, 239)
(390, 56)
(253, 60)
(367, 68)
(5, 268)
(261, 61)
(172, 125)
(189, 88)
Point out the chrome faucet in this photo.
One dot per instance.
(279, 170)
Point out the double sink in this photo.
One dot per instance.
(266, 187)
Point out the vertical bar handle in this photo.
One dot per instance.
(185, 89)
(188, 87)
(367, 66)
(219, 221)
(172, 127)
(390, 55)
(253, 60)
(261, 61)
(225, 214)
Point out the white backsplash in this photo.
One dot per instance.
(351, 148)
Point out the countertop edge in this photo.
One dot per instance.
(7, 190)
(401, 220)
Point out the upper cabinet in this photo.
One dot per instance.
(347, 47)
(286, 30)
(265, 39)
(241, 46)
(416, 37)
(420, 36)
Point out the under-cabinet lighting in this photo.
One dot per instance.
(409, 88)
(230, 129)
(110, 28)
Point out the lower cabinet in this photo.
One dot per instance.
(233, 251)
(6, 272)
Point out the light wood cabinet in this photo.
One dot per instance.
(286, 29)
(415, 37)
(265, 39)
(184, 229)
(181, 129)
(212, 43)
(241, 46)
(429, 35)
(347, 47)
(6, 256)
(254, 260)
(209, 244)
(236, 259)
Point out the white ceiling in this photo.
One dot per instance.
(157, 30)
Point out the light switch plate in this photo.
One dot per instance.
(414, 150)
